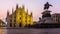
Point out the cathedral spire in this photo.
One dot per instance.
(31, 14)
(7, 12)
(12, 10)
(17, 6)
(27, 11)
(23, 7)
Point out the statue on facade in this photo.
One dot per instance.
(47, 5)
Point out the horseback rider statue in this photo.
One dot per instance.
(46, 6)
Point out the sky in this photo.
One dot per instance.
(34, 6)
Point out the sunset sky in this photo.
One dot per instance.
(34, 6)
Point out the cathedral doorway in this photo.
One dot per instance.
(20, 24)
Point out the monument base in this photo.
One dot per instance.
(47, 25)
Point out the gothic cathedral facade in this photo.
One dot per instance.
(19, 17)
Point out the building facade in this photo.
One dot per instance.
(56, 17)
(19, 17)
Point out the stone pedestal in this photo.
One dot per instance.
(46, 17)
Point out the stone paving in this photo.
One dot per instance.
(2, 31)
(29, 31)
(34, 31)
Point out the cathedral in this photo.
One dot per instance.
(19, 17)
